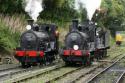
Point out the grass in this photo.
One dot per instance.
(9, 34)
(115, 51)
(14, 23)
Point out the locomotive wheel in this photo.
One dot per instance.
(87, 61)
(92, 58)
(28, 65)
(105, 53)
(23, 64)
(49, 59)
(34, 64)
(68, 63)
(52, 58)
(41, 62)
(100, 55)
(97, 56)
(45, 61)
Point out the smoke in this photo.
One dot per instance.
(90, 5)
(33, 8)
(77, 4)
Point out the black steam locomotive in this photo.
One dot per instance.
(38, 45)
(84, 42)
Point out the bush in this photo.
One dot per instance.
(8, 39)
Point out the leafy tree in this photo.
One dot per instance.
(11, 6)
(50, 4)
(59, 10)
(112, 15)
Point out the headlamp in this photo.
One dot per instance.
(75, 47)
(28, 27)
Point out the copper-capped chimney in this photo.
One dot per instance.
(75, 24)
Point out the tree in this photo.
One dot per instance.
(11, 6)
(59, 10)
(112, 15)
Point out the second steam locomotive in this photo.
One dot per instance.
(84, 42)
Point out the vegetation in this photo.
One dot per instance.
(113, 15)
(8, 39)
(61, 12)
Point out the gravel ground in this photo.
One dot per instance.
(7, 74)
(88, 76)
(50, 75)
(70, 77)
(113, 53)
(7, 66)
(33, 71)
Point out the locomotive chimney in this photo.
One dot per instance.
(75, 23)
(30, 22)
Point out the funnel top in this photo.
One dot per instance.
(30, 22)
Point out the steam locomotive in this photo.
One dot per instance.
(84, 42)
(39, 45)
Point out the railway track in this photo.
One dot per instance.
(112, 74)
(73, 77)
(12, 70)
(9, 72)
(24, 74)
(28, 75)
(70, 77)
(6, 67)
(56, 74)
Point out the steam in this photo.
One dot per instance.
(90, 5)
(77, 4)
(33, 8)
